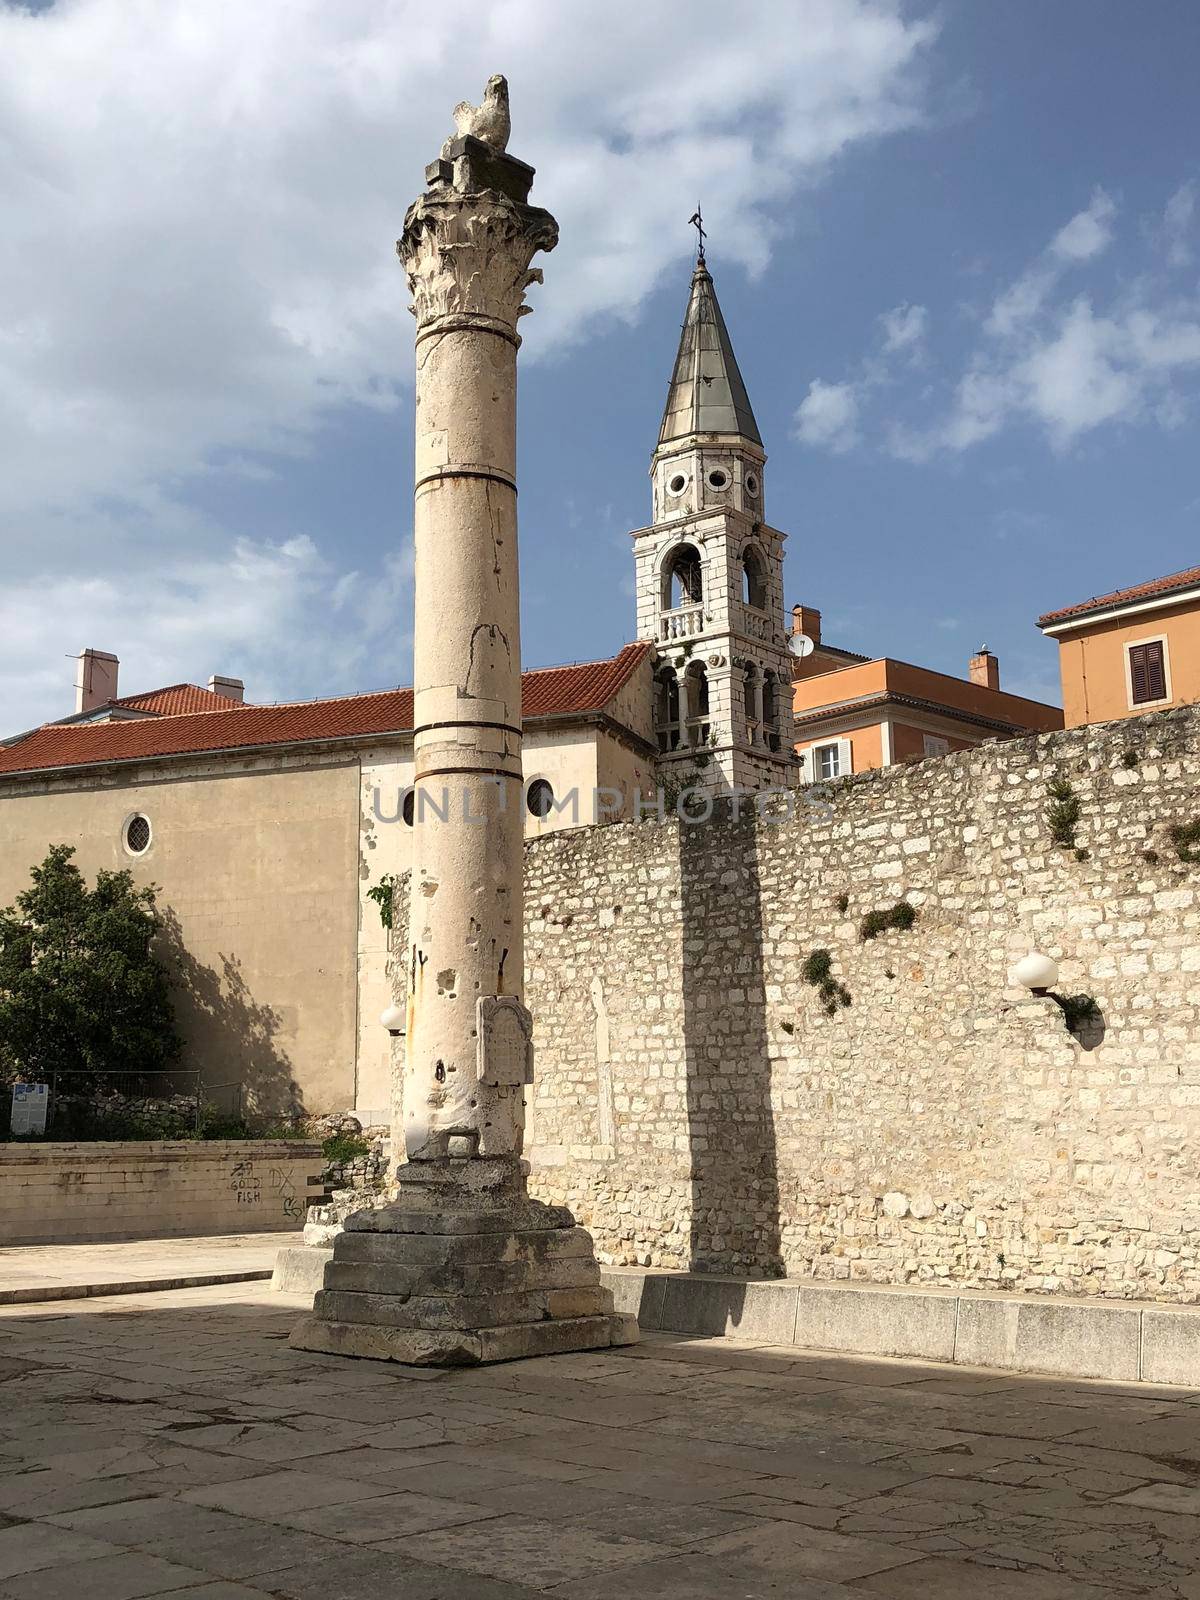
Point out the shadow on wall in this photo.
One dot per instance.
(228, 1035)
(735, 1224)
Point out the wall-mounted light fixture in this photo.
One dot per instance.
(393, 1020)
(1039, 974)
(1036, 972)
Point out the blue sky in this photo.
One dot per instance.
(958, 250)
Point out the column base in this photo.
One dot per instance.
(462, 1269)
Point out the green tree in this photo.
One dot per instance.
(81, 989)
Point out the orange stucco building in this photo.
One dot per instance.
(852, 713)
(1129, 652)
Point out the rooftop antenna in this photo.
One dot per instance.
(696, 221)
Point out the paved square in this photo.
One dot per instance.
(170, 1443)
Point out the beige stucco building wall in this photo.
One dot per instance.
(256, 862)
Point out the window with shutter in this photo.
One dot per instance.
(1147, 672)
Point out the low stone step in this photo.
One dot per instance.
(460, 1311)
(423, 1347)
(495, 1277)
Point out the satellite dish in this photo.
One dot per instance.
(801, 645)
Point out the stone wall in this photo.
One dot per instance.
(698, 1108)
(65, 1193)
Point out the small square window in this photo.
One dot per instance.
(1147, 672)
(828, 760)
(935, 746)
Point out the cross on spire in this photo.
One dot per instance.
(696, 220)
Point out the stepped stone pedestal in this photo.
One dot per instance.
(462, 1268)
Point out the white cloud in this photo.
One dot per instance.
(1074, 380)
(200, 205)
(1179, 215)
(256, 610)
(827, 417)
(1052, 358)
(904, 328)
(1088, 232)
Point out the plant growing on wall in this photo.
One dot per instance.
(383, 894)
(817, 969)
(1185, 836)
(1062, 814)
(82, 991)
(900, 916)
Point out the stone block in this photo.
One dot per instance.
(416, 1347)
(875, 1322)
(496, 1277)
(733, 1307)
(1171, 1345)
(300, 1269)
(637, 1293)
(1079, 1340)
(487, 1219)
(553, 1338)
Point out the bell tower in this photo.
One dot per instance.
(710, 573)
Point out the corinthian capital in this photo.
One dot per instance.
(469, 254)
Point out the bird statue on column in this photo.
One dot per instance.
(490, 121)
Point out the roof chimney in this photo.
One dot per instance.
(807, 620)
(227, 688)
(984, 669)
(95, 679)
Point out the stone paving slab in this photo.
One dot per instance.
(38, 1272)
(172, 1443)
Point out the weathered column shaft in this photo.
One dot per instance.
(467, 253)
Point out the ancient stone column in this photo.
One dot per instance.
(467, 245)
(463, 1266)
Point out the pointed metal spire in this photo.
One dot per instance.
(707, 394)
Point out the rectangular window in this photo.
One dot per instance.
(1147, 672)
(935, 746)
(829, 760)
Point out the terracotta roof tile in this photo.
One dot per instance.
(552, 691)
(1119, 597)
(176, 700)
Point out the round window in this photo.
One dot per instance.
(408, 808)
(540, 798)
(677, 483)
(718, 479)
(137, 835)
(751, 484)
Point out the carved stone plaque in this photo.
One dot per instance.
(505, 1041)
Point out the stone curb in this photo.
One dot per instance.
(92, 1291)
(1123, 1341)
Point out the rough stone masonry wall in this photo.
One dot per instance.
(698, 1109)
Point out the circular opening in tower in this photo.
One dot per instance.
(137, 835)
(408, 808)
(677, 483)
(751, 484)
(717, 479)
(540, 798)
